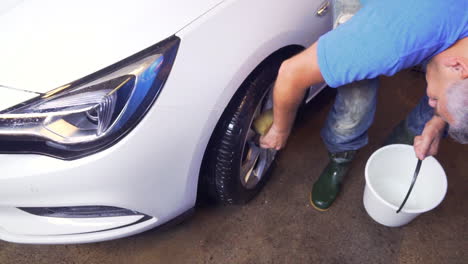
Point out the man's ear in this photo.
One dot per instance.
(457, 64)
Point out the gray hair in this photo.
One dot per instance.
(457, 106)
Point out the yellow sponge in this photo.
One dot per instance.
(263, 122)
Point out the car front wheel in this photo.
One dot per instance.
(236, 167)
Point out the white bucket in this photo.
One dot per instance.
(389, 172)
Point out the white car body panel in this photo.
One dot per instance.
(11, 96)
(82, 238)
(49, 43)
(27, 224)
(155, 168)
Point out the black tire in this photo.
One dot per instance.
(227, 148)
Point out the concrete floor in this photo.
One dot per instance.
(279, 226)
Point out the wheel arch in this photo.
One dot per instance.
(276, 57)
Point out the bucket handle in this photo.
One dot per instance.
(415, 176)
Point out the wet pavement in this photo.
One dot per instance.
(279, 226)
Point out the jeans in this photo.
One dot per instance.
(354, 108)
(353, 113)
(419, 116)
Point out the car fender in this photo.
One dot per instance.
(227, 49)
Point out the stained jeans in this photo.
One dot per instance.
(353, 113)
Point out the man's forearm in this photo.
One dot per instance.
(427, 144)
(296, 75)
(437, 123)
(287, 99)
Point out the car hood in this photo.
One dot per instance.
(46, 44)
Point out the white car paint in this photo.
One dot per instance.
(48, 43)
(155, 168)
(12, 96)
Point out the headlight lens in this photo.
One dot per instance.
(92, 113)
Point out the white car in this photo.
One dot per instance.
(115, 114)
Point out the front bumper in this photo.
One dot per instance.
(148, 172)
(21, 227)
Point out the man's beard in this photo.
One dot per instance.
(459, 133)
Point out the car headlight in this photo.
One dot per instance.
(92, 113)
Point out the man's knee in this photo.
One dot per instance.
(354, 107)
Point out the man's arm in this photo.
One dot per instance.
(427, 144)
(295, 76)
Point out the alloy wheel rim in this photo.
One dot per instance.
(255, 160)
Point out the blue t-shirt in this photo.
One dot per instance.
(387, 36)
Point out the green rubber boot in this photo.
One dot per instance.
(327, 187)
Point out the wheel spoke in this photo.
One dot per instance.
(266, 158)
(251, 135)
(247, 168)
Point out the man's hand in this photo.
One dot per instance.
(274, 139)
(427, 144)
(295, 76)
